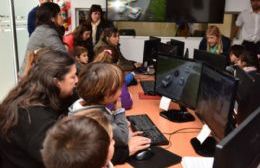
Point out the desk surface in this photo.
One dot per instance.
(180, 142)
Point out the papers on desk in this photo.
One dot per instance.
(197, 162)
(165, 103)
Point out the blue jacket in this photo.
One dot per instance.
(31, 20)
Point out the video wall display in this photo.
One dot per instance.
(192, 11)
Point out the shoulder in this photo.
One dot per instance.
(33, 11)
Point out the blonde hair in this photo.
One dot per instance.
(214, 31)
(105, 54)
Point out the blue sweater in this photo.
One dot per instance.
(31, 20)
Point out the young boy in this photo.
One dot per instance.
(79, 142)
(81, 56)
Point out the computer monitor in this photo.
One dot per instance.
(248, 94)
(150, 51)
(168, 50)
(216, 100)
(180, 46)
(241, 148)
(215, 104)
(178, 79)
(215, 60)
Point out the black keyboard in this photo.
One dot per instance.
(145, 124)
(148, 87)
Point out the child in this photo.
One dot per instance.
(248, 62)
(79, 142)
(235, 52)
(81, 56)
(105, 54)
(100, 84)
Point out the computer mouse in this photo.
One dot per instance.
(144, 154)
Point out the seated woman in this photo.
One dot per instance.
(34, 106)
(111, 38)
(81, 36)
(214, 42)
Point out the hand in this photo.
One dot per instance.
(137, 143)
(138, 65)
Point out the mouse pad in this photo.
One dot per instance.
(161, 158)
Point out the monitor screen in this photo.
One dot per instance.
(150, 51)
(195, 11)
(136, 10)
(248, 94)
(167, 49)
(178, 79)
(180, 46)
(215, 60)
(241, 148)
(216, 100)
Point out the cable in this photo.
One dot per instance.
(176, 132)
(180, 130)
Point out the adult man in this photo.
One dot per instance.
(249, 23)
(32, 17)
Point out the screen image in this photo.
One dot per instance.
(216, 100)
(136, 10)
(178, 79)
(195, 11)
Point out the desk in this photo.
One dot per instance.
(180, 142)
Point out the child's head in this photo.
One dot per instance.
(81, 54)
(247, 59)
(235, 52)
(76, 142)
(100, 83)
(213, 35)
(100, 117)
(105, 54)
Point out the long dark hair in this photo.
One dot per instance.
(37, 88)
(95, 8)
(44, 15)
(78, 32)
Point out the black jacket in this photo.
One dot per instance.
(23, 149)
(225, 42)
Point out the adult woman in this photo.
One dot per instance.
(81, 36)
(97, 22)
(214, 42)
(33, 106)
(111, 38)
(48, 32)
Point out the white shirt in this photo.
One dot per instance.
(94, 31)
(249, 21)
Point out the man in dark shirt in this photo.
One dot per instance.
(32, 17)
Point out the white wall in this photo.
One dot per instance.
(133, 47)
(236, 5)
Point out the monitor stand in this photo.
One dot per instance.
(206, 149)
(180, 115)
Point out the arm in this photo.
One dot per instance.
(120, 128)
(126, 100)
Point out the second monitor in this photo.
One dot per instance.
(179, 80)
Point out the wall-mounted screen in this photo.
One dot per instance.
(191, 11)
(136, 10)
